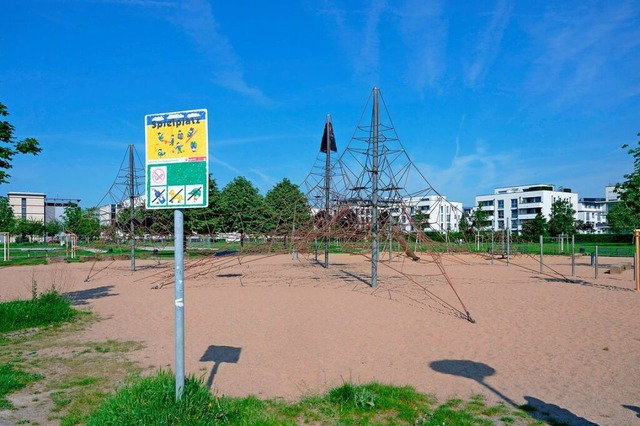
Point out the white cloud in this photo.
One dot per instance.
(265, 178)
(362, 47)
(489, 44)
(215, 160)
(175, 116)
(424, 32)
(582, 52)
(157, 118)
(474, 173)
(196, 19)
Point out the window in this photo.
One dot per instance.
(24, 208)
(514, 213)
(501, 204)
(514, 202)
(500, 214)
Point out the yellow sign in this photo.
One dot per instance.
(176, 137)
(177, 162)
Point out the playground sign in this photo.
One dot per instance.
(177, 160)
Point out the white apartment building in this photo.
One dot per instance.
(593, 213)
(443, 215)
(610, 194)
(510, 207)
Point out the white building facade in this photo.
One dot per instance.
(593, 211)
(510, 207)
(441, 215)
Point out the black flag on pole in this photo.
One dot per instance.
(323, 145)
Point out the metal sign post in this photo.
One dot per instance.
(178, 224)
(636, 234)
(177, 175)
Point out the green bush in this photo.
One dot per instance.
(604, 238)
(48, 308)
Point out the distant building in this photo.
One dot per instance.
(438, 213)
(441, 215)
(510, 207)
(593, 211)
(36, 206)
(108, 213)
(27, 205)
(610, 194)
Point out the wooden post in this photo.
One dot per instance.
(636, 234)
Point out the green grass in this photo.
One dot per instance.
(46, 309)
(151, 400)
(74, 376)
(12, 379)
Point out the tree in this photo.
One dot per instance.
(625, 215)
(479, 219)
(561, 220)
(84, 223)
(28, 228)
(53, 227)
(421, 220)
(206, 220)
(535, 227)
(7, 218)
(241, 207)
(464, 225)
(621, 219)
(285, 206)
(10, 147)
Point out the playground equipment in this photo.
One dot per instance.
(6, 250)
(71, 244)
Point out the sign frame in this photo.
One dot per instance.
(177, 159)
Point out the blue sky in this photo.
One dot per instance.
(482, 94)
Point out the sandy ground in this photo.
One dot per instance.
(279, 327)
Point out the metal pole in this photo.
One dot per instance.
(492, 246)
(327, 189)
(541, 253)
(178, 226)
(508, 245)
(131, 200)
(596, 262)
(636, 262)
(573, 255)
(390, 244)
(374, 194)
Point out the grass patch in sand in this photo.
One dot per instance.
(11, 380)
(62, 379)
(151, 400)
(46, 309)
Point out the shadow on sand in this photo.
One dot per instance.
(633, 408)
(218, 355)
(585, 283)
(536, 408)
(82, 297)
